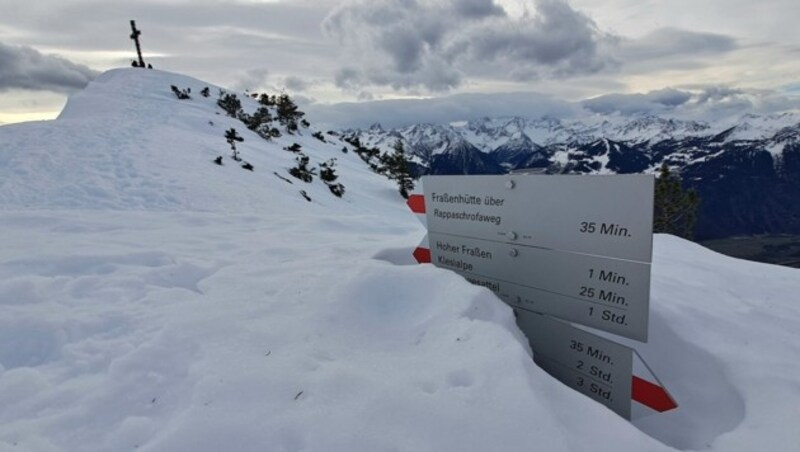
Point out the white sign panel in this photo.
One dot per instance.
(608, 216)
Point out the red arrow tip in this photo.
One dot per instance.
(422, 255)
(416, 203)
(651, 395)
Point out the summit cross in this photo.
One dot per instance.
(135, 36)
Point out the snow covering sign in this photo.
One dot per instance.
(576, 248)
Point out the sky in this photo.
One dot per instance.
(353, 61)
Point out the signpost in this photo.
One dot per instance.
(577, 248)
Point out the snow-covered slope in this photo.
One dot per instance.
(128, 143)
(757, 127)
(151, 300)
(489, 134)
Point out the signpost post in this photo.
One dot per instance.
(576, 248)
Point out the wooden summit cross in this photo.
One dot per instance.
(135, 36)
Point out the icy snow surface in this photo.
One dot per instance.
(151, 300)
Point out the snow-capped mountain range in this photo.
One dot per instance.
(746, 170)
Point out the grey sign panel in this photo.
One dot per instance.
(592, 365)
(602, 215)
(610, 319)
(608, 294)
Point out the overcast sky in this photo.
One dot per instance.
(443, 57)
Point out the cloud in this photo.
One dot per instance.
(252, 79)
(674, 42)
(673, 49)
(718, 94)
(435, 45)
(792, 89)
(26, 68)
(459, 107)
(712, 102)
(703, 102)
(348, 78)
(208, 39)
(92, 24)
(296, 84)
(478, 8)
(650, 103)
(706, 103)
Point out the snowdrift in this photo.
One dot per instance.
(152, 300)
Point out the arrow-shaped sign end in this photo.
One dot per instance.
(422, 255)
(416, 203)
(651, 395)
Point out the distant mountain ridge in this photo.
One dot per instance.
(747, 171)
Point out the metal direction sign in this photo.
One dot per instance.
(577, 248)
(608, 294)
(594, 366)
(601, 215)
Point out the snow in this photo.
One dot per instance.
(604, 158)
(151, 300)
(489, 134)
(561, 157)
(759, 127)
(775, 150)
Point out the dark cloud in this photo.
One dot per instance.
(671, 43)
(348, 78)
(27, 68)
(459, 107)
(707, 103)
(712, 101)
(296, 84)
(365, 96)
(776, 102)
(405, 47)
(252, 79)
(93, 24)
(478, 8)
(718, 93)
(652, 102)
(436, 45)
(213, 41)
(557, 37)
(704, 102)
(792, 89)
